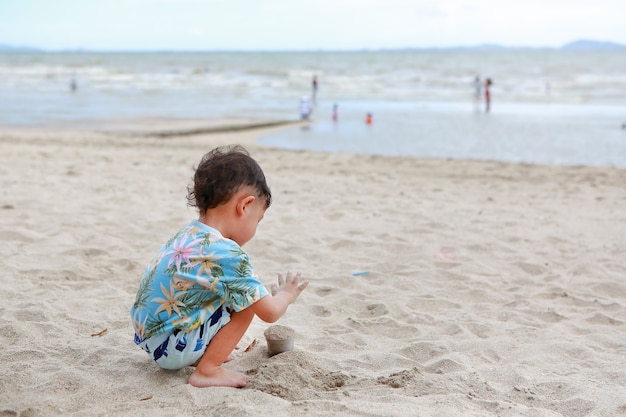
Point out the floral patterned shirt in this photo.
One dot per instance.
(193, 274)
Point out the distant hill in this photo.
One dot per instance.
(590, 45)
(579, 45)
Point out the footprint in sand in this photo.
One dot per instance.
(324, 291)
(320, 311)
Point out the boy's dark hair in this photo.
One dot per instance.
(221, 173)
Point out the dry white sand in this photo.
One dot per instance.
(493, 289)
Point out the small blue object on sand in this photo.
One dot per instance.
(356, 274)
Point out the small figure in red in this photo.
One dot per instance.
(487, 94)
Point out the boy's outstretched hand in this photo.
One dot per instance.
(271, 308)
(290, 285)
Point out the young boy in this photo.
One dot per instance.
(200, 293)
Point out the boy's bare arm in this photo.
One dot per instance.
(272, 307)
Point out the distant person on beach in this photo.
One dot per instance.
(305, 108)
(369, 119)
(478, 87)
(488, 95)
(314, 89)
(335, 112)
(200, 293)
(73, 85)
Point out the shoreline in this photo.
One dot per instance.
(494, 289)
(152, 126)
(267, 133)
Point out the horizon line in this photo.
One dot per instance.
(580, 44)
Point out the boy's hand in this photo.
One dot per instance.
(289, 285)
(285, 292)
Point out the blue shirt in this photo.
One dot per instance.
(193, 274)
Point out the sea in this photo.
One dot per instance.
(548, 106)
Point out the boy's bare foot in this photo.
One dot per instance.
(217, 377)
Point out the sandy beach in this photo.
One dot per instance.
(438, 287)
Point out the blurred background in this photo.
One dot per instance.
(557, 72)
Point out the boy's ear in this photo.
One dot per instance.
(244, 204)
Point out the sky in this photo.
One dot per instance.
(305, 25)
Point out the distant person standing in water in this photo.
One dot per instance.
(73, 85)
(314, 89)
(488, 95)
(478, 87)
(335, 113)
(305, 108)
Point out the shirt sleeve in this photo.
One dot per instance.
(239, 285)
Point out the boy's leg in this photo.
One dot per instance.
(209, 371)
